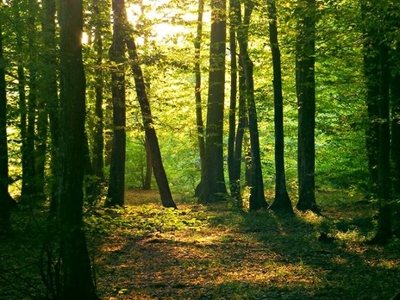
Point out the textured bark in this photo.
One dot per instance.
(282, 201)
(213, 181)
(305, 88)
(116, 187)
(76, 269)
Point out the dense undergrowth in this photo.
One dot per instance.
(144, 251)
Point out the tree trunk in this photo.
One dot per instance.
(213, 180)
(151, 137)
(5, 199)
(50, 93)
(281, 202)
(234, 183)
(371, 73)
(305, 88)
(384, 233)
(395, 125)
(116, 188)
(76, 269)
(257, 197)
(197, 91)
(98, 134)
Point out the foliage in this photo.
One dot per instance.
(140, 220)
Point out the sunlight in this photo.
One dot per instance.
(162, 20)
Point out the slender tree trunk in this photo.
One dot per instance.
(395, 125)
(305, 87)
(5, 199)
(371, 73)
(116, 188)
(257, 197)
(151, 137)
(243, 125)
(384, 232)
(98, 134)
(281, 202)
(213, 180)
(50, 93)
(197, 91)
(76, 269)
(234, 183)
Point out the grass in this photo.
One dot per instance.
(217, 252)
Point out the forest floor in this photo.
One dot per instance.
(218, 252)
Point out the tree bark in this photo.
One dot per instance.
(50, 93)
(234, 182)
(257, 197)
(76, 269)
(116, 188)
(151, 137)
(5, 199)
(305, 88)
(213, 180)
(282, 201)
(384, 231)
(98, 134)
(197, 91)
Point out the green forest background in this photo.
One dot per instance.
(99, 104)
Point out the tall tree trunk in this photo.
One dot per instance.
(116, 188)
(151, 137)
(213, 181)
(371, 73)
(98, 134)
(234, 183)
(305, 88)
(395, 124)
(243, 125)
(384, 232)
(257, 197)
(5, 199)
(281, 202)
(50, 93)
(38, 119)
(197, 91)
(76, 269)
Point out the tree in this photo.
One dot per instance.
(377, 58)
(212, 177)
(76, 269)
(234, 179)
(305, 88)
(50, 92)
(116, 186)
(5, 198)
(197, 91)
(257, 197)
(282, 200)
(148, 123)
